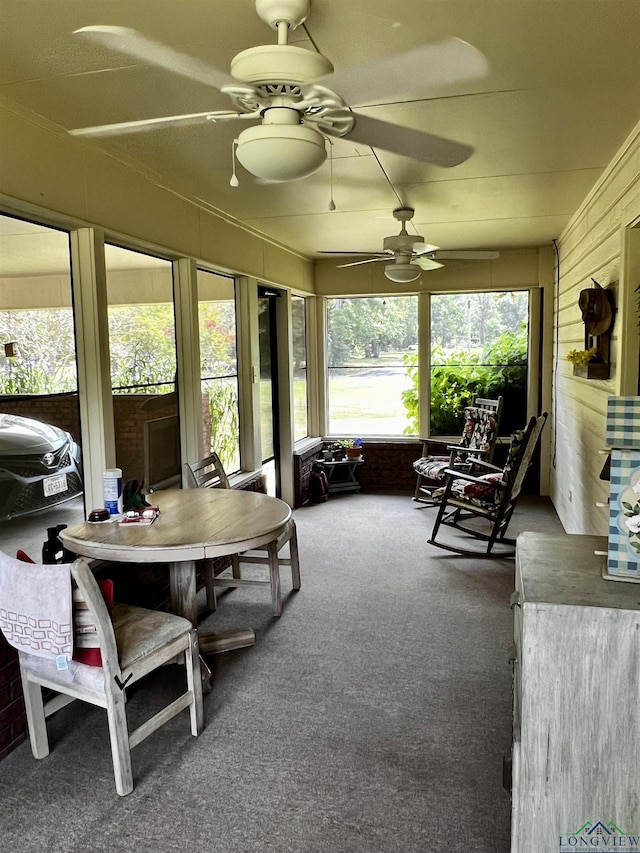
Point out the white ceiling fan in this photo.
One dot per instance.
(284, 88)
(410, 253)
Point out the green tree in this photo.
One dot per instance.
(143, 347)
(364, 327)
(217, 338)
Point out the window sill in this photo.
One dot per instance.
(306, 444)
(237, 481)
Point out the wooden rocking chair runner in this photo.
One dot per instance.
(491, 497)
(209, 473)
(132, 642)
(478, 440)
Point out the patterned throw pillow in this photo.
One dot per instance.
(85, 641)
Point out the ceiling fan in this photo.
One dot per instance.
(284, 88)
(410, 253)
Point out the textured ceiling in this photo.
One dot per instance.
(561, 95)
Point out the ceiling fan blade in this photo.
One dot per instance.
(366, 261)
(381, 254)
(423, 248)
(156, 123)
(139, 47)
(411, 75)
(426, 263)
(424, 147)
(464, 255)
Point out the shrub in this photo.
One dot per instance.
(458, 377)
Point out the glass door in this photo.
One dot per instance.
(269, 412)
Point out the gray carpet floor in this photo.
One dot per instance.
(372, 717)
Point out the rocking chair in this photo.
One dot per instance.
(478, 440)
(490, 497)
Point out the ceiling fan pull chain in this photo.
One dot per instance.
(234, 182)
(332, 204)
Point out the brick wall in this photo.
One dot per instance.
(13, 722)
(388, 466)
(61, 411)
(130, 413)
(302, 463)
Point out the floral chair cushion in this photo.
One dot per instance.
(478, 434)
(431, 467)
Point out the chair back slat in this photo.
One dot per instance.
(208, 473)
(492, 405)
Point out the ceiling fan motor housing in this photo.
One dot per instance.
(402, 243)
(279, 63)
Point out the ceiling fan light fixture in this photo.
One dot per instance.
(402, 273)
(276, 152)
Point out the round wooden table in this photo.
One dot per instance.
(194, 524)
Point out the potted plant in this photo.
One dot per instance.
(353, 448)
(588, 364)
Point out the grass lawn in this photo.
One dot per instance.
(368, 403)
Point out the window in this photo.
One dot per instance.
(300, 393)
(142, 344)
(219, 367)
(479, 346)
(40, 458)
(367, 341)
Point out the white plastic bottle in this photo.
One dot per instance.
(112, 490)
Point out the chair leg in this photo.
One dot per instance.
(295, 559)
(274, 576)
(419, 495)
(235, 566)
(438, 521)
(35, 717)
(416, 494)
(119, 735)
(194, 684)
(212, 602)
(423, 494)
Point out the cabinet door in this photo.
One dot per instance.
(580, 723)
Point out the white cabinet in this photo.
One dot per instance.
(576, 727)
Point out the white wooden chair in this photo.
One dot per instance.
(209, 473)
(133, 642)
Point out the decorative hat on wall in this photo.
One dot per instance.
(597, 310)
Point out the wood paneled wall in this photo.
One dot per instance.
(597, 243)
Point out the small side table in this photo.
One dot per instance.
(341, 476)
